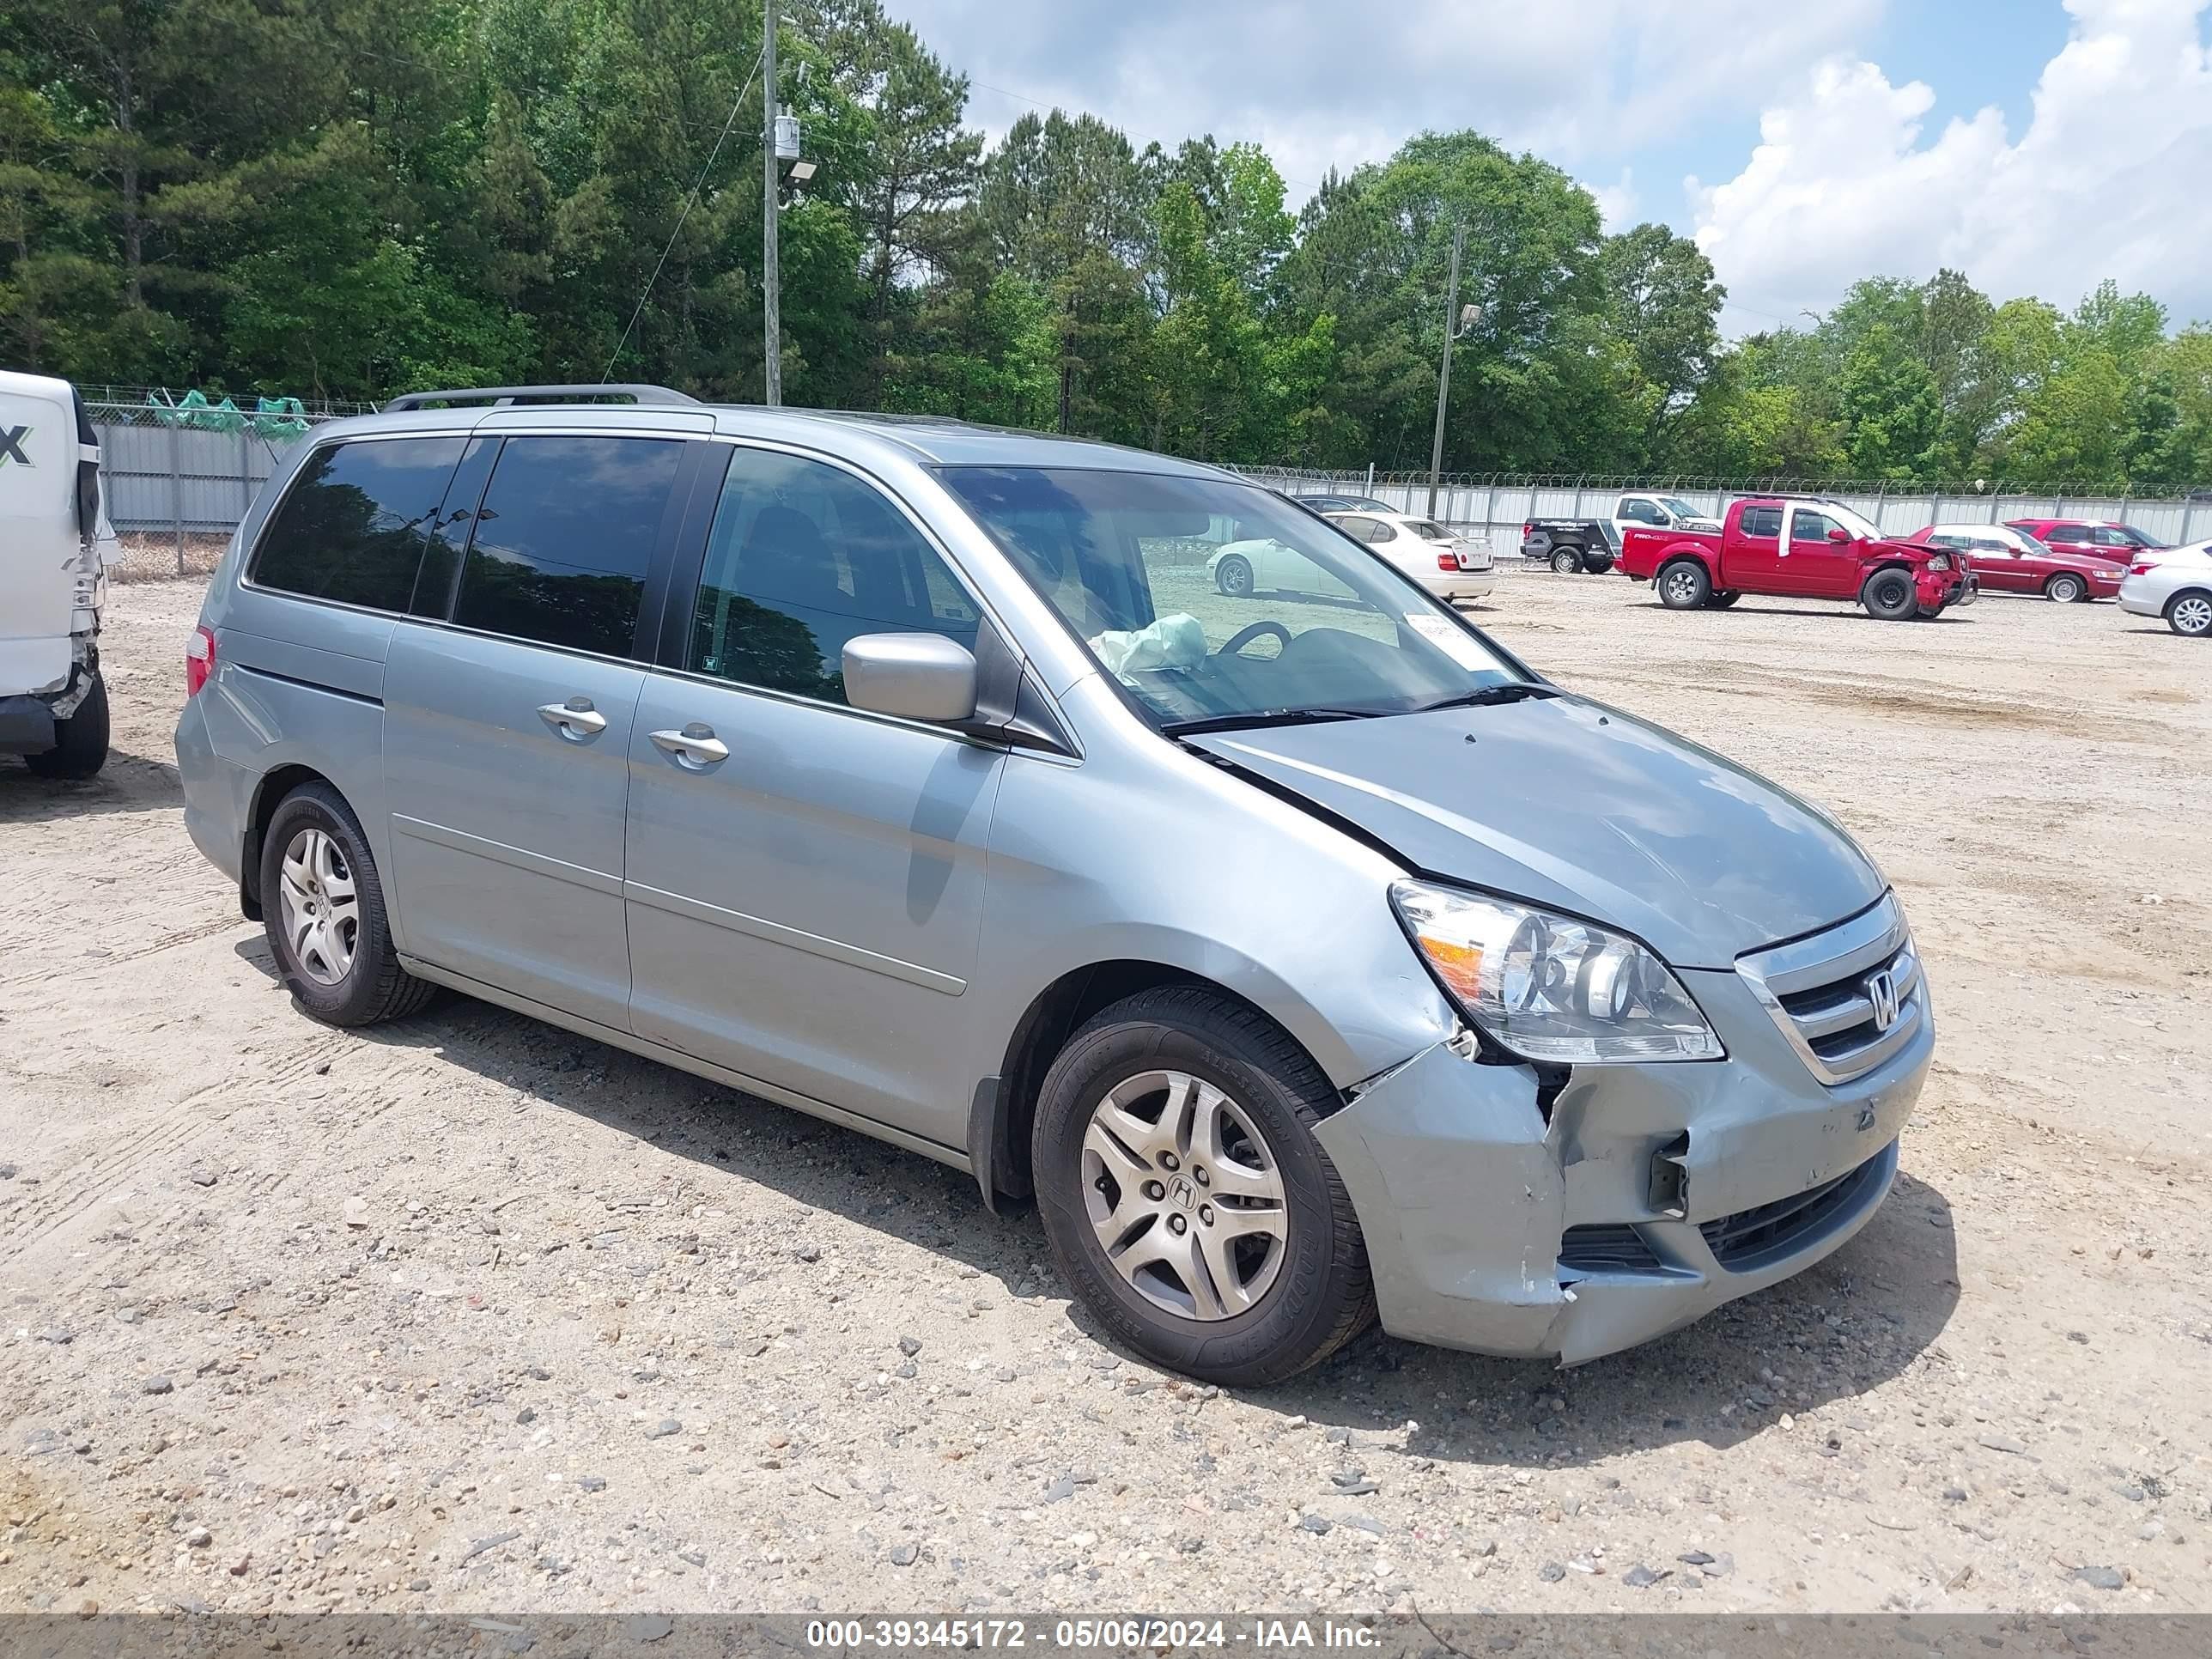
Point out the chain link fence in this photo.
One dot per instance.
(1497, 504)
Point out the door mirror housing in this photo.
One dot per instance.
(1837, 533)
(916, 676)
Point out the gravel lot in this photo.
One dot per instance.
(469, 1314)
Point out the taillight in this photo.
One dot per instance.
(1527, 531)
(2139, 567)
(1447, 560)
(199, 660)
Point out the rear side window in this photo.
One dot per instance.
(804, 556)
(1760, 521)
(564, 539)
(351, 527)
(2067, 533)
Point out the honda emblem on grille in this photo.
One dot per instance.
(1881, 991)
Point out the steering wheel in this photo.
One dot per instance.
(1244, 636)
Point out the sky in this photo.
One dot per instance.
(2037, 145)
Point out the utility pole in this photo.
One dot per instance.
(1444, 376)
(771, 276)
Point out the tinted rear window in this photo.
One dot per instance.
(351, 526)
(563, 539)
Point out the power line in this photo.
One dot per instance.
(737, 104)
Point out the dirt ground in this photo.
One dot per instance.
(469, 1314)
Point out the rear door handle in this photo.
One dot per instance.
(695, 746)
(576, 718)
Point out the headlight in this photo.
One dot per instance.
(1940, 562)
(1550, 987)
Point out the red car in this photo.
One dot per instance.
(2008, 560)
(2100, 538)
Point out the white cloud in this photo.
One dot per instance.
(1617, 203)
(1322, 84)
(2109, 179)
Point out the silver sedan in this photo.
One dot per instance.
(2179, 587)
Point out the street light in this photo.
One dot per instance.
(1458, 320)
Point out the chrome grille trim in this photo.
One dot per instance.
(1815, 990)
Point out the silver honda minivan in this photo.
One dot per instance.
(1305, 954)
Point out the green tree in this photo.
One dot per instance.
(1892, 410)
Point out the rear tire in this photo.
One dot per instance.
(1233, 576)
(79, 742)
(1890, 595)
(1567, 561)
(1684, 585)
(2190, 614)
(2065, 589)
(341, 967)
(1282, 1290)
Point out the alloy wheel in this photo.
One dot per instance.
(1185, 1195)
(2191, 615)
(1682, 587)
(321, 906)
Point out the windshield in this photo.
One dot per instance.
(1681, 509)
(2032, 544)
(1862, 527)
(1214, 601)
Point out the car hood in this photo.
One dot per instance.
(1567, 802)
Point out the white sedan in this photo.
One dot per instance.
(2179, 587)
(1450, 567)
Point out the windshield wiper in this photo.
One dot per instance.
(1485, 695)
(1266, 717)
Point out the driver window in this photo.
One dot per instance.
(1808, 527)
(802, 557)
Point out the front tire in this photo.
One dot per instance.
(79, 742)
(1187, 1205)
(2066, 590)
(322, 903)
(1233, 576)
(1722, 601)
(1890, 596)
(1684, 585)
(1567, 562)
(2189, 615)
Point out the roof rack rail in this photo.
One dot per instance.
(499, 397)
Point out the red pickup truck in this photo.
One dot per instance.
(1798, 547)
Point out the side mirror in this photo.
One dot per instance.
(1837, 533)
(916, 676)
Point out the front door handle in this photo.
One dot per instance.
(695, 746)
(576, 718)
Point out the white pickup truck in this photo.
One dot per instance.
(56, 545)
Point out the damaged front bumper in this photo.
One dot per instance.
(1648, 1195)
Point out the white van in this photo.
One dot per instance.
(55, 547)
